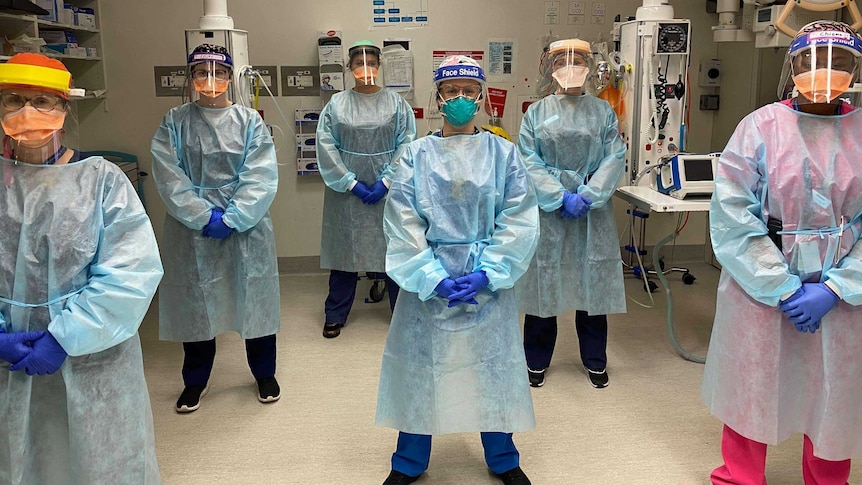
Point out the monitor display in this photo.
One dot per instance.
(698, 169)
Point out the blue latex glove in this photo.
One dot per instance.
(15, 346)
(378, 191)
(574, 205)
(472, 283)
(216, 228)
(360, 190)
(446, 287)
(46, 357)
(806, 310)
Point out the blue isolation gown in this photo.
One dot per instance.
(571, 143)
(78, 258)
(457, 205)
(206, 158)
(359, 136)
(762, 377)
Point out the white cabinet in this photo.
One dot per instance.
(88, 71)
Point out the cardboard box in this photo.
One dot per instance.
(92, 52)
(85, 17)
(58, 37)
(307, 115)
(67, 49)
(66, 15)
(51, 7)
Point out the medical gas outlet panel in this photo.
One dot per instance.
(653, 124)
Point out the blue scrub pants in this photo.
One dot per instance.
(342, 291)
(540, 336)
(413, 453)
(199, 358)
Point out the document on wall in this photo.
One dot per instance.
(403, 14)
(397, 66)
(501, 59)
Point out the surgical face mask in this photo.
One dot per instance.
(459, 110)
(822, 85)
(365, 75)
(31, 127)
(211, 87)
(571, 76)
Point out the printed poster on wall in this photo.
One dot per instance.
(501, 60)
(405, 14)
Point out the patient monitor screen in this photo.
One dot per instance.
(698, 169)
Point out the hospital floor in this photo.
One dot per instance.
(648, 427)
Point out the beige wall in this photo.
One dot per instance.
(139, 35)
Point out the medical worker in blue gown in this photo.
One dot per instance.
(785, 354)
(79, 266)
(361, 132)
(570, 143)
(461, 224)
(215, 169)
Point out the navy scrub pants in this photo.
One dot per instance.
(342, 291)
(540, 336)
(199, 358)
(413, 453)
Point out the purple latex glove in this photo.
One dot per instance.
(360, 190)
(46, 357)
(473, 283)
(378, 191)
(216, 228)
(16, 346)
(446, 287)
(806, 310)
(574, 205)
(471, 301)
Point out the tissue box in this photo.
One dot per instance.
(92, 52)
(85, 17)
(66, 15)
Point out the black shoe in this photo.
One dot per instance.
(190, 399)
(515, 476)
(598, 378)
(332, 330)
(537, 377)
(268, 390)
(398, 478)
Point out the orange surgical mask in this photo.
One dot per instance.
(210, 87)
(822, 85)
(30, 127)
(365, 74)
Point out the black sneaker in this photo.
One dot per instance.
(268, 390)
(537, 377)
(190, 399)
(515, 476)
(398, 478)
(598, 378)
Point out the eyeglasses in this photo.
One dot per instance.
(450, 91)
(202, 74)
(42, 102)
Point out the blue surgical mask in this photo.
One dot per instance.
(459, 110)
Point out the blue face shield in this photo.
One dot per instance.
(459, 110)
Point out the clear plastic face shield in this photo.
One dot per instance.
(570, 66)
(210, 79)
(39, 126)
(820, 67)
(365, 65)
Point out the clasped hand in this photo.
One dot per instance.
(463, 289)
(808, 305)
